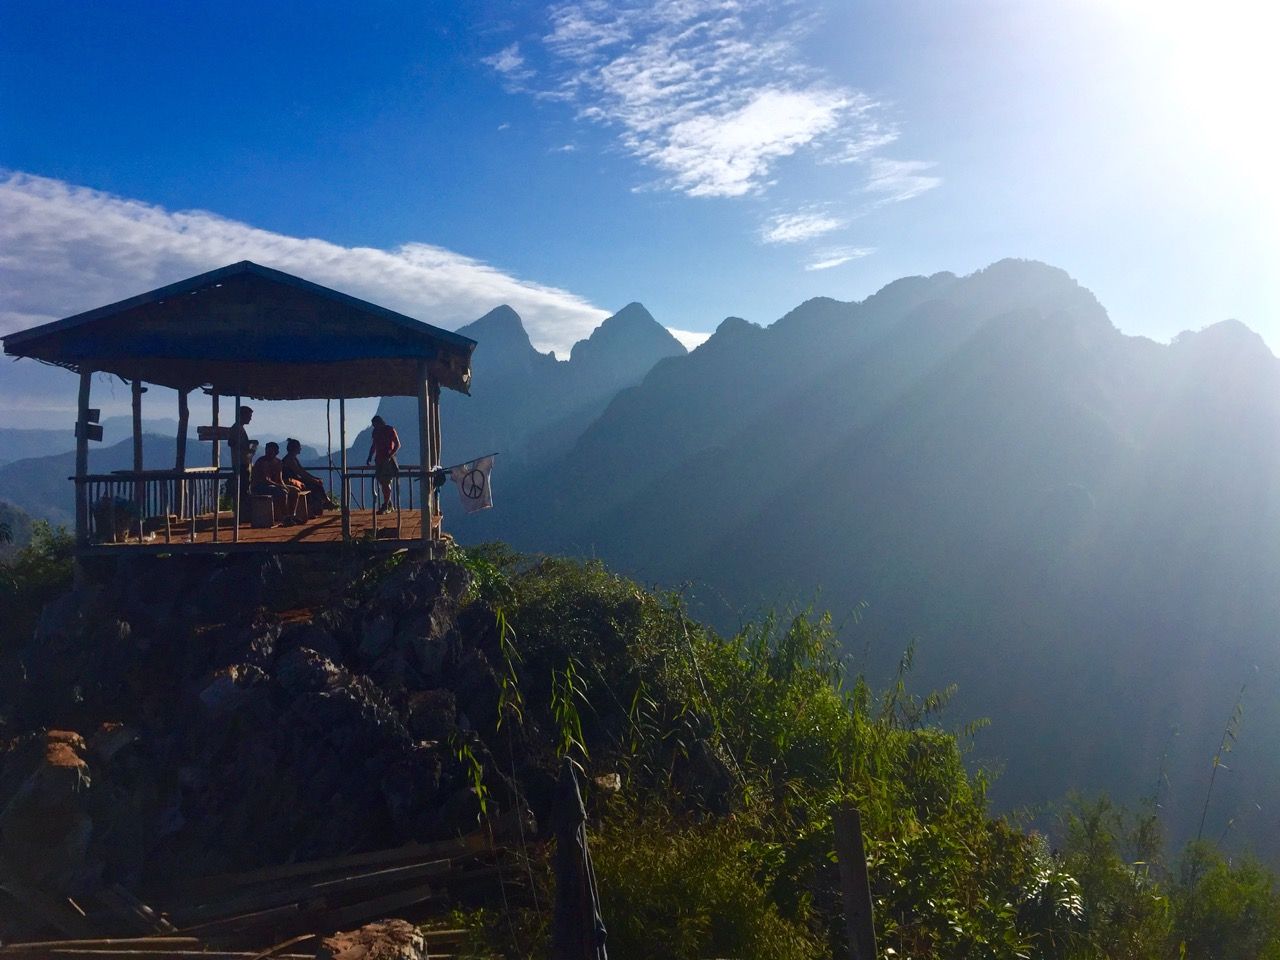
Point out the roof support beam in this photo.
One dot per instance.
(425, 440)
(82, 457)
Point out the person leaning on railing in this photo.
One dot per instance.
(382, 451)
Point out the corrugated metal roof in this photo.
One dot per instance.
(250, 330)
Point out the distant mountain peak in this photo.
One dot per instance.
(501, 325)
(731, 325)
(630, 334)
(1225, 338)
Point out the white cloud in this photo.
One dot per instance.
(65, 249)
(711, 93)
(837, 256)
(898, 180)
(510, 63)
(797, 227)
(565, 148)
(692, 339)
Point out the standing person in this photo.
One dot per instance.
(242, 451)
(318, 501)
(382, 451)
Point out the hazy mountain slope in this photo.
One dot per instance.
(526, 404)
(18, 444)
(1081, 528)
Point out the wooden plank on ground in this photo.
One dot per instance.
(470, 845)
(309, 891)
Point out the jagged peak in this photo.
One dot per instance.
(500, 327)
(631, 328)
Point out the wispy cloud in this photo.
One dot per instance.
(68, 248)
(798, 227)
(511, 64)
(710, 93)
(837, 256)
(896, 180)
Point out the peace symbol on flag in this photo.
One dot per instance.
(472, 485)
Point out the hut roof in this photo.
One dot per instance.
(249, 330)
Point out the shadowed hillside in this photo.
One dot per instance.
(1082, 528)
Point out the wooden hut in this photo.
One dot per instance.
(248, 332)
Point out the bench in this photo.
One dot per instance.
(262, 510)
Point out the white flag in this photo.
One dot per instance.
(472, 480)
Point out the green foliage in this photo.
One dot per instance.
(1225, 910)
(733, 751)
(691, 890)
(30, 578)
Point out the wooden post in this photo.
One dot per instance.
(180, 455)
(426, 445)
(437, 453)
(137, 425)
(217, 444)
(82, 457)
(238, 467)
(139, 486)
(216, 463)
(346, 486)
(855, 888)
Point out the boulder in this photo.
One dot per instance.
(45, 826)
(384, 940)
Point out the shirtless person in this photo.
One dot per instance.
(294, 471)
(383, 452)
(267, 480)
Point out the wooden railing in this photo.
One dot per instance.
(361, 491)
(127, 506)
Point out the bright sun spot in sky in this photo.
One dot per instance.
(1218, 64)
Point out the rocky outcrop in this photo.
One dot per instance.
(191, 717)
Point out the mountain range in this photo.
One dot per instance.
(1079, 528)
(528, 405)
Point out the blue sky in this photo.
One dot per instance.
(706, 157)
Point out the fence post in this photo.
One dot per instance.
(855, 888)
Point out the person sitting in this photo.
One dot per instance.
(382, 450)
(293, 470)
(267, 480)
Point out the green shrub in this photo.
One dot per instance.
(30, 578)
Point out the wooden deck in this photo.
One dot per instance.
(393, 532)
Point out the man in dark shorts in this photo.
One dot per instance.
(382, 452)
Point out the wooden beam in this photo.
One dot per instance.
(238, 467)
(217, 445)
(136, 390)
(855, 888)
(139, 486)
(82, 457)
(345, 486)
(426, 446)
(180, 454)
(437, 455)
